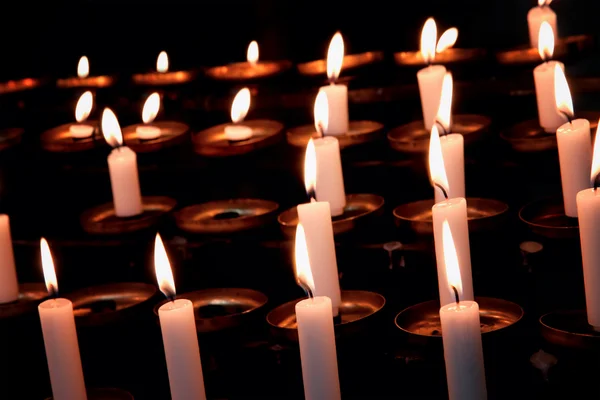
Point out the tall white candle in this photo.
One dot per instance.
(461, 332)
(337, 94)
(147, 131)
(536, 16)
(430, 78)
(9, 286)
(574, 147)
(180, 340)
(239, 109)
(316, 334)
(122, 166)
(60, 338)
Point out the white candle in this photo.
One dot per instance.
(574, 147)
(430, 78)
(239, 110)
(180, 340)
(122, 166)
(82, 112)
(337, 95)
(536, 16)
(316, 335)
(149, 112)
(60, 338)
(9, 286)
(461, 332)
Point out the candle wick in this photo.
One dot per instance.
(596, 183)
(456, 294)
(171, 297)
(320, 130)
(569, 117)
(53, 291)
(442, 189)
(444, 131)
(306, 289)
(312, 195)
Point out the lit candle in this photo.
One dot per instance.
(151, 107)
(122, 166)
(180, 338)
(162, 62)
(239, 109)
(9, 286)
(316, 219)
(60, 337)
(574, 146)
(82, 111)
(252, 53)
(461, 333)
(452, 145)
(543, 74)
(330, 178)
(316, 335)
(83, 67)
(447, 40)
(535, 17)
(455, 212)
(337, 95)
(431, 77)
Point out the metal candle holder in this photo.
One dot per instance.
(89, 82)
(358, 132)
(103, 221)
(59, 139)
(19, 85)
(414, 138)
(226, 216)
(358, 310)
(546, 217)
(213, 143)
(569, 328)
(563, 48)
(30, 295)
(351, 61)
(448, 56)
(358, 208)
(242, 71)
(106, 394)
(172, 133)
(10, 137)
(220, 309)
(482, 214)
(163, 78)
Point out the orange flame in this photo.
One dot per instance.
(335, 56)
(546, 41)
(451, 259)
(252, 53)
(428, 38)
(111, 130)
(303, 269)
(162, 268)
(48, 267)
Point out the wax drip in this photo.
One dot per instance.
(443, 128)
(456, 294)
(442, 189)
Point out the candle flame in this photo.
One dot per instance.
(48, 267)
(562, 94)
(111, 129)
(84, 106)
(252, 53)
(303, 270)
(542, 3)
(162, 62)
(596, 158)
(447, 40)
(444, 114)
(428, 38)
(321, 111)
(151, 107)
(546, 41)
(437, 171)
(335, 56)
(451, 259)
(310, 167)
(240, 105)
(162, 268)
(83, 67)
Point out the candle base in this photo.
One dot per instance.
(449, 56)
(351, 61)
(163, 78)
(89, 82)
(226, 216)
(564, 48)
(19, 85)
(60, 139)
(483, 214)
(358, 313)
(413, 138)
(546, 217)
(30, 295)
(171, 134)
(106, 394)
(359, 132)
(243, 71)
(359, 209)
(570, 328)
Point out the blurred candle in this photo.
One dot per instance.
(239, 110)
(9, 286)
(461, 333)
(337, 95)
(431, 77)
(122, 166)
(316, 334)
(147, 131)
(83, 67)
(60, 338)
(82, 112)
(535, 17)
(574, 146)
(180, 338)
(162, 62)
(252, 53)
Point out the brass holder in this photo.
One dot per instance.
(30, 295)
(483, 215)
(358, 309)
(172, 133)
(101, 220)
(110, 303)
(413, 138)
(546, 217)
(212, 142)
(351, 61)
(358, 132)
(421, 322)
(106, 394)
(10, 137)
(529, 137)
(163, 78)
(226, 216)
(19, 85)
(89, 82)
(569, 328)
(59, 139)
(448, 56)
(563, 48)
(246, 71)
(358, 208)
(222, 309)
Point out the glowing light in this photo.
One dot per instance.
(451, 259)
(447, 40)
(437, 171)
(562, 94)
(335, 57)
(321, 111)
(546, 41)
(151, 107)
(303, 272)
(428, 39)
(444, 114)
(310, 167)
(240, 105)
(252, 53)
(111, 130)
(48, 267)
(596, 158)
(162, 62)
(162, 268)
(83, 67)
(84, 106)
